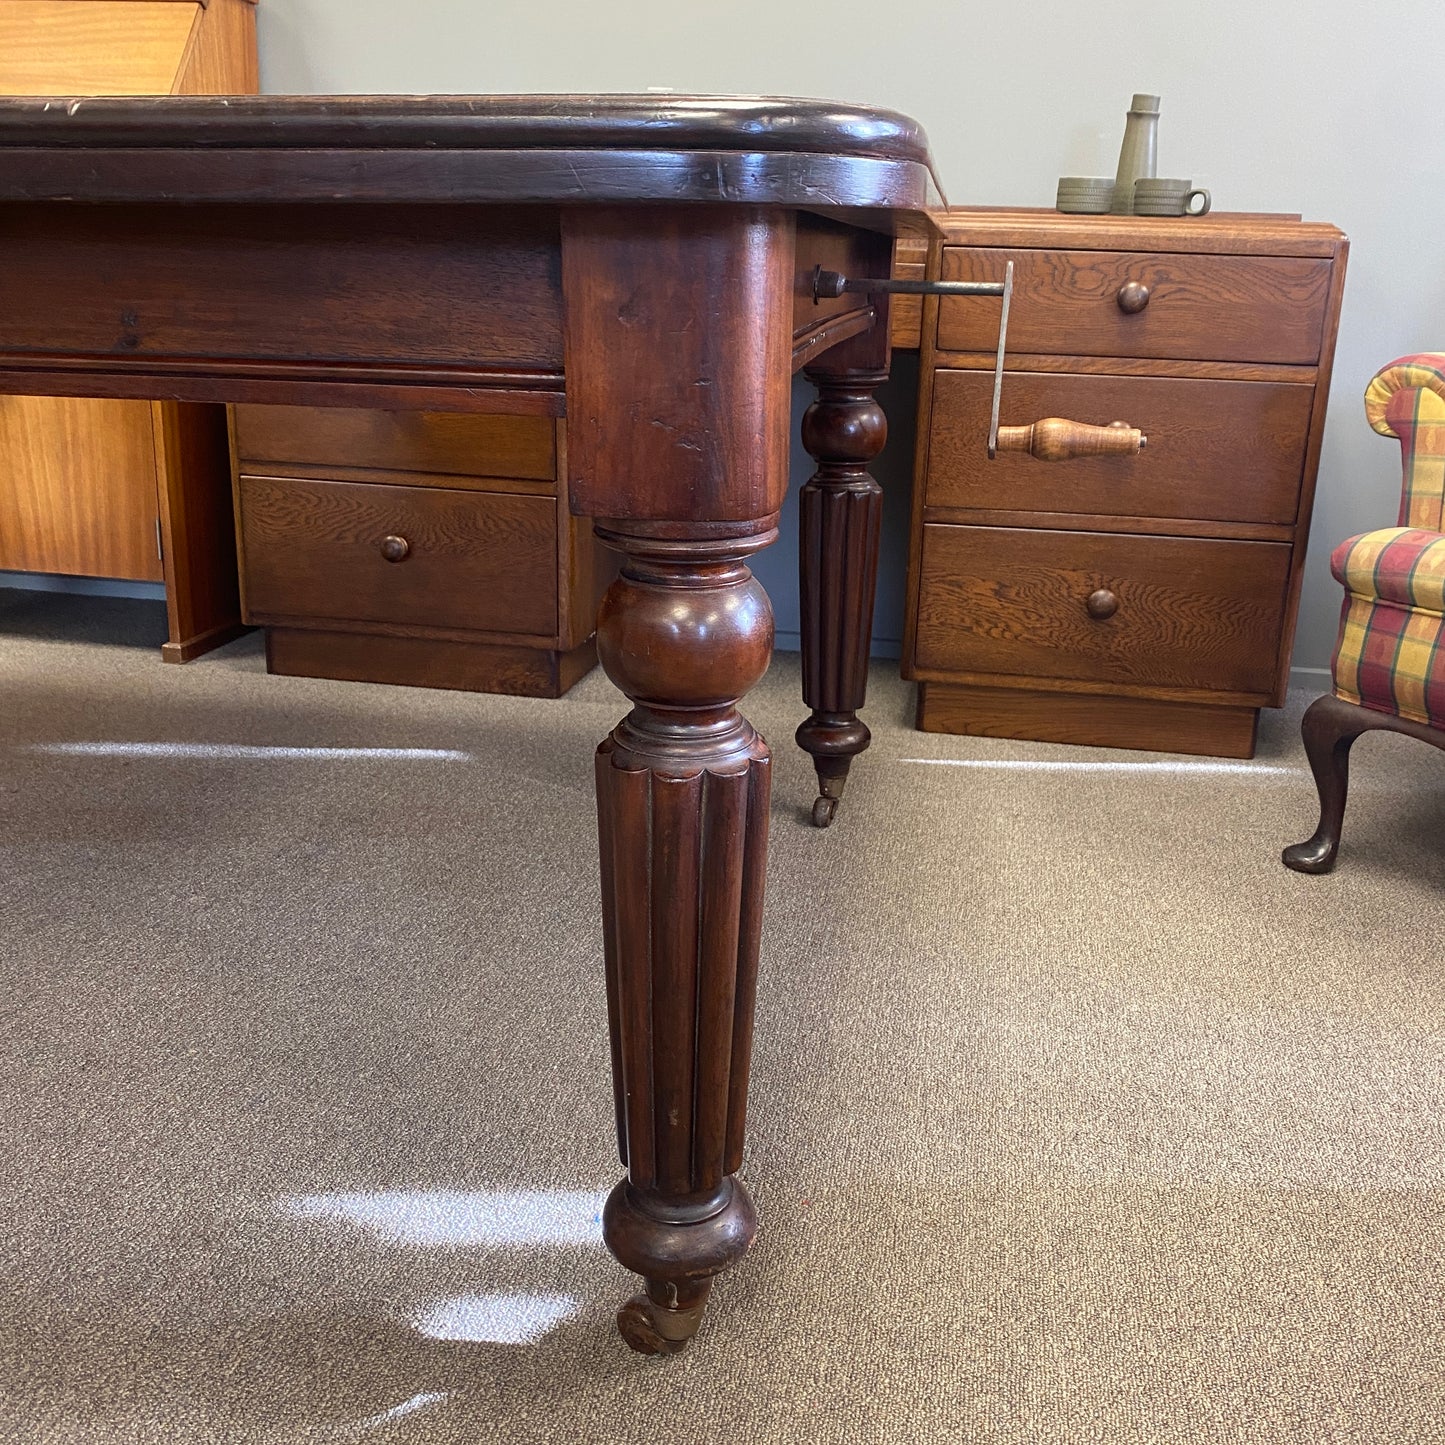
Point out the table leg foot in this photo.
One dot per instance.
(678, 1249)
(652, 1326)
(834, 741)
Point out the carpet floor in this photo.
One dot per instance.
(1076, 1117)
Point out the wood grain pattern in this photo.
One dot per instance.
(385, 476)
(198, 537)
(1311, 470)
(1218, 308)
(1193, 613)
(431, 442)
(430, 651)
(105, 524)
(834, 247)
(1023, 516)
(1232, 233)
(910, 262)
(682, 797)
(1225, 368)
(222, 56)
(682, 126)
(1130, 366)
(101, 47)
(402, 285)
(713, 295)
(1198, 434)
(1088, 719)
(470, 666)
(482, 561)
(586, 567)
(291, 383)
(57, 456)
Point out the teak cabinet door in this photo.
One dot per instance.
(104, 47)
(92, 488)
(57, 456)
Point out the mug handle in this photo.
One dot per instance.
(1203, 195)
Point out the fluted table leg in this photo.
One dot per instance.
(841, 514)
(682, 797)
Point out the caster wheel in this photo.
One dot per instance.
(824, 810)
(637, 1323)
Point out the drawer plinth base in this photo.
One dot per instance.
(1089, 719)
(426, 662)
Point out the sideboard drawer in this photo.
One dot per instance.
(1192, 613)
(1198, 307)
(450, 443)
(1230, 451)
(472, 560)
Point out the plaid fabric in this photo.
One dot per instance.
(1391, 652)
(1397, 564)
(1406, 399)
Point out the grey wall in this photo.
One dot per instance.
(1322, 107)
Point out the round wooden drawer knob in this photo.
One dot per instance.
(1102, 604)
(395, 549)
(1133, 297)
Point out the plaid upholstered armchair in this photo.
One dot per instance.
(1389, 662)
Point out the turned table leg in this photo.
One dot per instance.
(682, 798)
(841, 513)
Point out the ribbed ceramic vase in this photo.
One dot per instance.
(1137, 154)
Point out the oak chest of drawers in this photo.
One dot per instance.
(426, 548)
(1142, 601)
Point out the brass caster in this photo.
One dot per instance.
(653, 1329)
(824, 810)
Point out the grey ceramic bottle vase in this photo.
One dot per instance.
(1137, 154)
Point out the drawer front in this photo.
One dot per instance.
(1191, 613)
(451, 443)
(476, 560)
(1217, 450)
(1199, 308)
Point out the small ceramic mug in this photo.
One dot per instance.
(1085, 195)
(1169, 197)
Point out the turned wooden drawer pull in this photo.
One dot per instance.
(1133, 297)
(395, 549)
(1056, 440)
(1102, 604)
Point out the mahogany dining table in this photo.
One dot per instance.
(642, 266)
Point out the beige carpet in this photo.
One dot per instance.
(1075, 1118)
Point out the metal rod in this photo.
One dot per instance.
(925, 288)
(1008, 291)
(829, 285)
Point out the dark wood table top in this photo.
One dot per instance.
(561, 149)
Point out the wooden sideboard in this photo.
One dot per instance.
(432, 549)
(119, 488)
(1142, 601)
